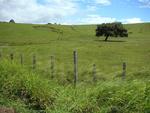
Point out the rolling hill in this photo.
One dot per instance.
(34, 91)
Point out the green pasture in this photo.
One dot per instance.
(62, 40)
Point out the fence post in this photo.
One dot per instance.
(75, 68)
(11, 56)
(21, 59)
(94, 72)
(52, 67)
(0, 55)
(124, 71)
(34, 62)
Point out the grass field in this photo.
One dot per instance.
(110, 93)
(44, 40)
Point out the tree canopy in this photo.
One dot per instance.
(111, 30)
(11, 21)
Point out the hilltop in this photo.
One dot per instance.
(33, 33)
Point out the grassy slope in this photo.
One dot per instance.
(108, 56)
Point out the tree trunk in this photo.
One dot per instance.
(106, 38)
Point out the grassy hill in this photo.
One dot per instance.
(31, 33)
(60, 41)
(110, 93)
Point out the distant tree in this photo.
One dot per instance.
(11, 21)
(111, 30)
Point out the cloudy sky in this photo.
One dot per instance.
(75, 11)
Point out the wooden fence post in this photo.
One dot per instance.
(21, 59)
(52, 67)
(11, 56)
(0, 55)
(34, 62)
(94, 73)
(75, 68)
(124, 71)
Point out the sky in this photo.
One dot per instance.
(75, 11)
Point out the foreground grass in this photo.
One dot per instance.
(30, 92)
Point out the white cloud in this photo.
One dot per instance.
(103, 2)
(96, 19)
(132, 20)
(145, 3)
(94, 4)
(97, 2)
(30, 11)
(44, 11)
(91, 8)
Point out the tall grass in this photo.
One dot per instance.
(27, 91)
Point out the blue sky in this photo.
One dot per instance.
(75, 11)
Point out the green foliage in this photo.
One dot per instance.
(21, 84)
(11, 21)
(33, 93)
(111, 29)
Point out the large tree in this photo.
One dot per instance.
(11, 21)
(111, 30)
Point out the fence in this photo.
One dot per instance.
(75, 65)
